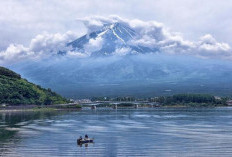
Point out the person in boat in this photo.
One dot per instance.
(79, 140)
(86, 136)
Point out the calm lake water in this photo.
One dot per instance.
(122, 132)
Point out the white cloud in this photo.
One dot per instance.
(51, 43)
(22, 20)
(93, 45)
(15, 52)
(155, 35)
(123, 51)
(43, 45)
(209, 43)
(209, 47)
(77, 54)
(151, 34)
(93, 23)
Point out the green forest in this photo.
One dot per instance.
(192, 100)
(15, 90)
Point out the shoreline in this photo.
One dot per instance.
(77, 107)
(33, 108)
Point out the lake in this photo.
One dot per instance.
(122, 132)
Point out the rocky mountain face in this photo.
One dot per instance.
(115, 36)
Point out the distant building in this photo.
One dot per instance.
(229, 102)
(217, 97)
(72, 100)
(83, 101)
(3, 105)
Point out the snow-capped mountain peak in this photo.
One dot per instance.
(107, 40)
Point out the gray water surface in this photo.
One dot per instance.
(122, 132)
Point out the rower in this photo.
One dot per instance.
(79, 140)
(86, 136)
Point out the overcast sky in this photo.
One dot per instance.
(22, 20)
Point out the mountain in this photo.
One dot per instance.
(114, 36)
(134, 75)
(101, 73)
(14, 90)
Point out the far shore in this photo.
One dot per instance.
(74, 106)
(55, 107)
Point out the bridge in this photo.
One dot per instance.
(94, 104)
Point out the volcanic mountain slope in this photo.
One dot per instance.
(113, 37)
(144, 75)
(97, 64)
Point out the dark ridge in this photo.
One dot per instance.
(8, 73)
(17, 91)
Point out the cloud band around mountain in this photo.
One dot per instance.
(150, 34)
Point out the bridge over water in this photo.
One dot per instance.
(97, 103)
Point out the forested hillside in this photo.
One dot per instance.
(15, 90)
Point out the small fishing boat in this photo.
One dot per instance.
(84, 141)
